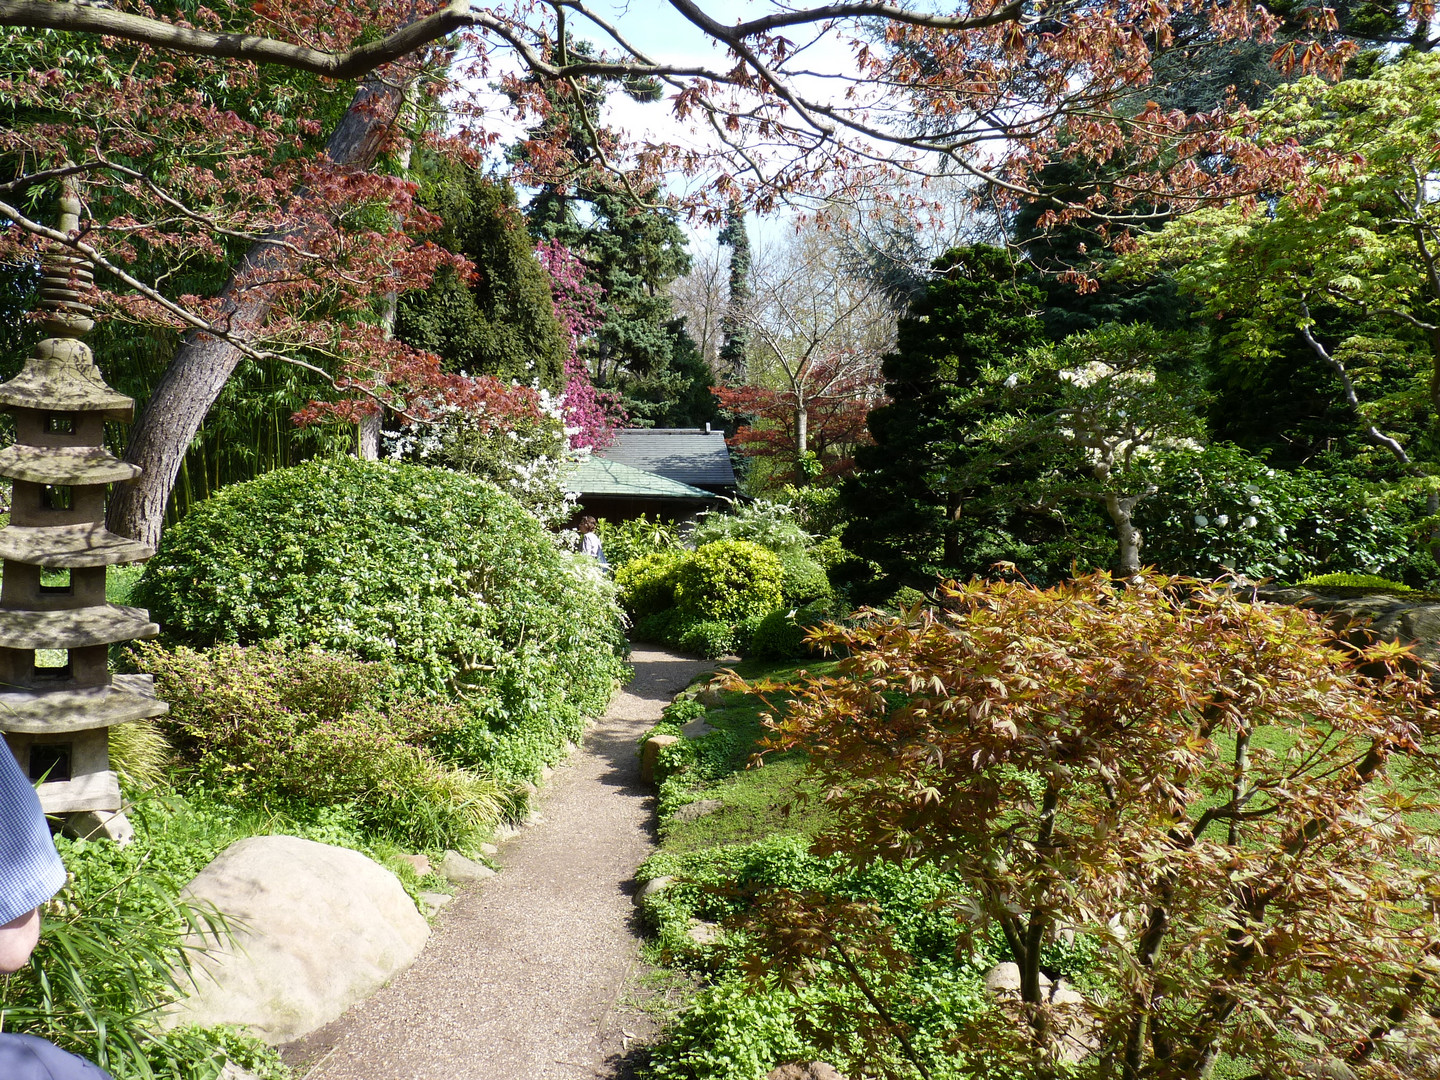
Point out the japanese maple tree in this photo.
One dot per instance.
(1232, 809)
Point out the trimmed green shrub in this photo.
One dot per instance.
(263, 726)
(778, 637)
(805, 578)
(781, 634)
(647, 583)
(440, 574)
(708, 637)
(728, 580)
(1357, 581)
(830, 553)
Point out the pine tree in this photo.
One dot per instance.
(733, 368)
(631, 251)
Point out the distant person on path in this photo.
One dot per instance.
(590, 541)
(30, 874)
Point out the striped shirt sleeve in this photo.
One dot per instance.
(30, 870)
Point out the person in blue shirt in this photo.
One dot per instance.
(30, 874)
(30, 870)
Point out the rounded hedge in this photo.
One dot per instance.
(729, 580)
(805, 579)
(440, 574)
(647, 582)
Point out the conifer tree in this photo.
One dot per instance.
(502, 321)
(918, 501)
(732, 351)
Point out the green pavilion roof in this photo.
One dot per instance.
(601, 476)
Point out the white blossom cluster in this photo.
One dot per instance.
(528, 462)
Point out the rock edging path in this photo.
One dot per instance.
(524, 976)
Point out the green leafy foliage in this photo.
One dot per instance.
(1356, 581)
(742, 1023)
(710, 638)
(626, 541)
(267, 727)
(1222, 509)
(728, 580)
(772, 525)
(805, 578)
(781, 634)
(647, 582)
(438, 574)
(1338, 265)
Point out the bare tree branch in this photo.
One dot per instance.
(86, 19)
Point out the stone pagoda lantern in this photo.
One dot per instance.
(56, 709)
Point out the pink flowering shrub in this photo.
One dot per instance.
(591, 415)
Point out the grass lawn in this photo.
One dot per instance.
(758, 800)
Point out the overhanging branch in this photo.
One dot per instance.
(82, 18)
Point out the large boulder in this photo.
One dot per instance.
(315, 928)
(1362, 616)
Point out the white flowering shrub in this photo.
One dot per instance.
(1220, 509)
(514, 437)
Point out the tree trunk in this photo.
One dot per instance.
(950, 550)
(802, 431)
(1121, 511)
(202, 364)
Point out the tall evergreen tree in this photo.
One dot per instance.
(502, 321)
(632, 251)
(917, 500)
(733, 367)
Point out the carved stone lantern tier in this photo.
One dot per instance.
(58, 699)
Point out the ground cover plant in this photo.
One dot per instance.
(1203, 789)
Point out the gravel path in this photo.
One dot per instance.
(525, 976)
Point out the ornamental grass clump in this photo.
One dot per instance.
(1213, 792)
(267, 728)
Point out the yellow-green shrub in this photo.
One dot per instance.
(729, 580)
(647, 583)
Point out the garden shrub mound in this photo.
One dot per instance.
(261, 726)
(706, 601)
(440, 575)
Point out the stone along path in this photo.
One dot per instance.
(524, 975)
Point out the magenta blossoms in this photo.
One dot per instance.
(591, 415)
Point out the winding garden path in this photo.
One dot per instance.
(525, 977)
